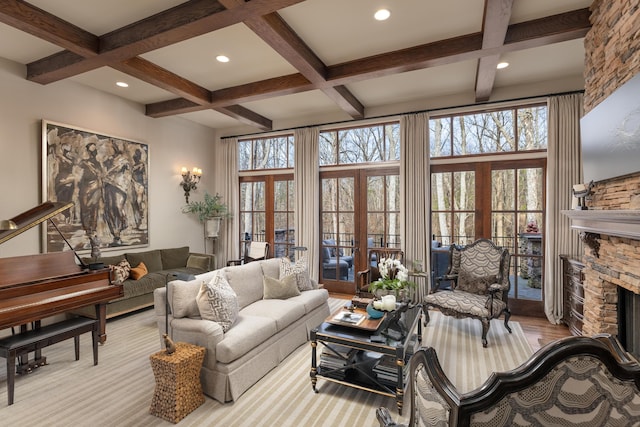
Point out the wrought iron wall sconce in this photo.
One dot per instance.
(190, 180)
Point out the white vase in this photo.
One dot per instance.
(212, 226)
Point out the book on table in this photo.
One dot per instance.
(349, 318)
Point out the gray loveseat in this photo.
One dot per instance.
(138, 294)
(264, 333)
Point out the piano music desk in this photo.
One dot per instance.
(16, 345)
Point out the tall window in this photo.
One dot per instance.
(267, 193)
(359, 199)
(487, 181)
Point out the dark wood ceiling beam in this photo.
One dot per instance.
(160, 77)
(414, 58)
(552, 29)
(525, 35)
(495, 23)
(539, 32)
(172, 107)
(246, 116)
(264, 89)
(153, 74)
(37, 22)
(187, 20)
(280, 36)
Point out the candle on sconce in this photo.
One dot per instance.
(184, 170)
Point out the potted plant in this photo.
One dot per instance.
(210, 212)
(394, 279)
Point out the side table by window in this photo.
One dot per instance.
(178, 389)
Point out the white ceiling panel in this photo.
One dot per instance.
(251, 59)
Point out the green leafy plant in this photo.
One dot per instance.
(210, 207)
(393, 276)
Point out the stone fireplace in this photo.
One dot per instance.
(611, 232)
(612, 223)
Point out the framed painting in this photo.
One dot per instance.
(106, 178)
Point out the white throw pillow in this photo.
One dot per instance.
(182, 298)
(218, 302)
(280, 289)
(300, 270)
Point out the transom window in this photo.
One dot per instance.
(372, 143)
(275, 152)
(503, 131)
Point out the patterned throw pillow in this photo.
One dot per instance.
(120, 272)
(280, 289)
(139, 272)
(300, 270)
(218, 302)
(468, 282)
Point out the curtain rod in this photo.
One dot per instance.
(407, 112)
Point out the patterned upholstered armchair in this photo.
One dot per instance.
(480, 285)
(575, 381)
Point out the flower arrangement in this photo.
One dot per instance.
(393, 276)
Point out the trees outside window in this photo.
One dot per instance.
(487, 181)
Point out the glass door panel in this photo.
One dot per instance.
(360, 210)
(337, 231)
(517, 215)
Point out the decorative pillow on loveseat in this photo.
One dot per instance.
(120, 272)
(300, 270)
(218, 302)
(139, 271)
(198, 261)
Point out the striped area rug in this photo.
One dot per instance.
(118, 391)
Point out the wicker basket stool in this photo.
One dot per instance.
(178, 389)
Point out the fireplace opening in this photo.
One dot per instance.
(629, 321)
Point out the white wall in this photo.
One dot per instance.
(173, 142)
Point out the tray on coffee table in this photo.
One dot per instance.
(358, 319)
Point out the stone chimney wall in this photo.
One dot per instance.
(612, 49)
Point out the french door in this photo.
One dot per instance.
(360, 210)
(267, 213)
(501, 201)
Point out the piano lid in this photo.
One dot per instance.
(33, 217)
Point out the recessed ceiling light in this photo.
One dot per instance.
(502, 65)
(122, 84)
(222, 58)
(382, 15)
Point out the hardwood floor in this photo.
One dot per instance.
(538, 330)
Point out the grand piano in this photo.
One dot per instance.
(34, 287)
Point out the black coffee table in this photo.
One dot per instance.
(372, 360)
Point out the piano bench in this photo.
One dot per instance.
(19, 344)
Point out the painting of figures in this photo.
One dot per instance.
(106, 178)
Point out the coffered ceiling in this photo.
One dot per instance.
(296, 61)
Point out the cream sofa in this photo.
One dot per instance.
(265, 332)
